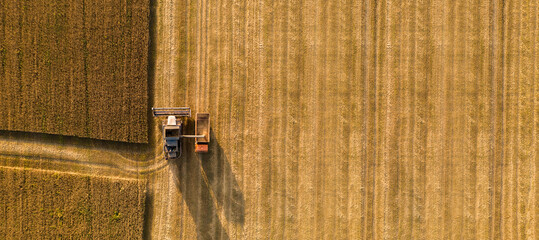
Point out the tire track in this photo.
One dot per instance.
(525, 123)
(485, 155)
(381, 98)
(307, 143)
(470, 142)
(331, 99)
(449, 106)
(260, 163)
(224, 108)
(370, 113)
(293, 128)
(354, 61)
(459, 91)
(62, 172)
(534, 209)
(408, 112)
(251, 123)
(435, 115)
(281, 144)
(343, 36)
(394, 118)
(278, 177)
(498, 125)
(237, 121)
(88, 157)
(320, 77)
(509, 205)
(268, 27)
(213, 76)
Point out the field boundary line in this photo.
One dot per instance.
(130, 169)
(70, 173)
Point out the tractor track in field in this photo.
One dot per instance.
(73, 156)
(64, 172)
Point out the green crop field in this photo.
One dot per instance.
(75, 68)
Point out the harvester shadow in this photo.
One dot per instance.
(209, 188)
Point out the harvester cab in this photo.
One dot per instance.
(172, 130)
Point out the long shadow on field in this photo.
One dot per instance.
(209, 189)
(88, 143)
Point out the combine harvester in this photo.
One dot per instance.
(172, 130)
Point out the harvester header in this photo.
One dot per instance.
(172, 111)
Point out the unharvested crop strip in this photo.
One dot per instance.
(62, 65)
(70, 205)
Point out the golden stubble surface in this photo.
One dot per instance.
(360, 119)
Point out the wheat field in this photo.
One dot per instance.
(330, 120)
(356, 119)
(76, 68)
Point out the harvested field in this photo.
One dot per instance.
(353, 120)
(36, 204)
(75, 68)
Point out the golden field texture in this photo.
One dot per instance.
(75, 67)
(330, 120)
(355, 119)
(37, 204)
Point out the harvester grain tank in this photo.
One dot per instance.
(202, 126)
